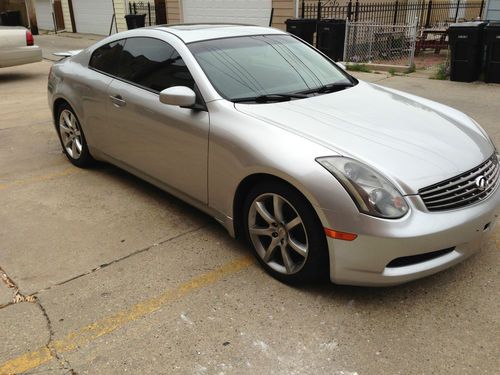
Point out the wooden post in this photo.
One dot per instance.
(429, 11)
(160, 12)
(30, 7)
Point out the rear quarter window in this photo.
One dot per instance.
(106, 58)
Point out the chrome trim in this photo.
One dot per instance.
(461, 191)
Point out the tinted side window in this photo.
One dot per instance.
(106, 58)
(153, 64)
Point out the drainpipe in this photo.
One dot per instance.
(296, 9)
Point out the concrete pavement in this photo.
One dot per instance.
(128, 278)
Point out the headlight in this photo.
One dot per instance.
(372, 192)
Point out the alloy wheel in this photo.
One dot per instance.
(71, 135)
(278, 233)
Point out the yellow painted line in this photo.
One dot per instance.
(86, 335)
(46, 177)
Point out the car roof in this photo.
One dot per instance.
(189, 33)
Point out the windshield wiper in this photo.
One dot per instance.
(269, 98)
(331, 87)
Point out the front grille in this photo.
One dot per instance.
(462, 190)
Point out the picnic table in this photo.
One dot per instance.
(432, 38)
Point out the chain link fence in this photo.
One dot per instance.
(370, 43)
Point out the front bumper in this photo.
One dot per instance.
(366, 260)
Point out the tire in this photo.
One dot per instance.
(291, 246)
(72, 138)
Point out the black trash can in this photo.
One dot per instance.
(330, 38)
(303, 28)
(11, 18)
(466, 45)
(135, 21)
(492, 63)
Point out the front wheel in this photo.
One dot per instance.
(286, 234)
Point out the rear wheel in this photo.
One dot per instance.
(72, 137)
(286, 234)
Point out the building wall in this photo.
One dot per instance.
(174, 11)
(15, 5)
(67, 17)
(121, 9)
(493, 10)
(283, 10)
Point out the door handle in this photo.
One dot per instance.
(117, 100)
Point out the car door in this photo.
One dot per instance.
(91, 86)
(166, 142)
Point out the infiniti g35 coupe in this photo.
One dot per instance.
(322, 174)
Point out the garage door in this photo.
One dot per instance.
(93, 16)
(254, 12)
(43, 10)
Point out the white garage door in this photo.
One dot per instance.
(254, 12)
(43, 10)
(93, 16)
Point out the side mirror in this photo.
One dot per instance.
(341, 65)
(180, 96)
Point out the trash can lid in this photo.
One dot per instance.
(468, 24)
(301, 20)
(493, 25)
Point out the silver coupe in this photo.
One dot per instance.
(324, 175)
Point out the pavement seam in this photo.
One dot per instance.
(109, 324)
(104, 265)
(17, 296)
(53, 351)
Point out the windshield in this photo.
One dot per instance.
(265, 65)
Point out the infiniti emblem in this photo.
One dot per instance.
(481, 183)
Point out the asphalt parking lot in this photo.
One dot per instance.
(102, 273)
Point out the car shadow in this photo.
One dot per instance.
(170, 202)
(15, 76)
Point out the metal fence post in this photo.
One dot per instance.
(356, 11)
(346, 38)
(318, 15)
(429, 11)
(149, 13)
(303, 12)
(395, 13)
(129, 8)
(481, 9)
(349, 10)
(456, 11)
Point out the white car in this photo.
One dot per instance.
(17, 47)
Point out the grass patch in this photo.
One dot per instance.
(392, 71)
(411, 69)
(442, 73)
(358, 68)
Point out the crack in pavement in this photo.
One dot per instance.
(52, 350)
(17, 296)
(104, 265)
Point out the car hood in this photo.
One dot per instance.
(413, 141)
